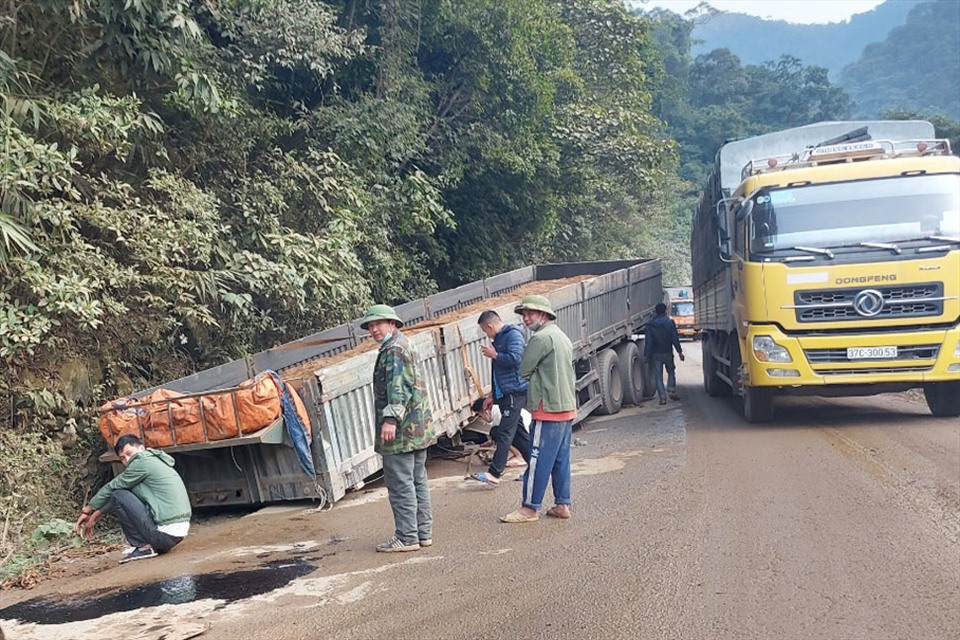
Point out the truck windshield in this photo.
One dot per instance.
(681, 309)
(897, 209)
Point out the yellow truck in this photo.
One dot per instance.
(826, 261)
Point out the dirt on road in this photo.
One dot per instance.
(839, 521)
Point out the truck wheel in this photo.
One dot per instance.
(711, 383)
(943, 398)
(649, 377)
(631, 372)
(611, 382)
(757, 404)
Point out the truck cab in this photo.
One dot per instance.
(679, 301)
(842, 275)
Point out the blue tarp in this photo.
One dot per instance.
(295, 428)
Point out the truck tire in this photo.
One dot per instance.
(611, 382)
(757, 404)
(631, 372)
(712, 384)
(943, 398)
(649, 377)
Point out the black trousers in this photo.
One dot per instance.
(138, 526)
(509, 432)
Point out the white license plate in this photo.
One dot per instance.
(871, 353)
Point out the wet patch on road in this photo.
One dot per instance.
(223, 586)
(593, 466)
(297, 547)
(183, 607)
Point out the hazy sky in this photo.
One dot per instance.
(806, 11)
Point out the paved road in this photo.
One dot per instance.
(841, 521)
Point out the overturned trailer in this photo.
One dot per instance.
(601, 306)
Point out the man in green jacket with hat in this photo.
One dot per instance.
(551, 399)
(148, 498)
(403, 430)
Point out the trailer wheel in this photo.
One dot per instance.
(631, 372)
(611, 382)
(943, 398)
(757, 404)
(712, 384)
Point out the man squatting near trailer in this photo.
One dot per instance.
(403, 430)
(661, 339)
(551, 399)
(492, 415)
(508, 391)
(148, 498)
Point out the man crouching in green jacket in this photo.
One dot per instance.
(148, 498)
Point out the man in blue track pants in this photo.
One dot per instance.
(551, 399)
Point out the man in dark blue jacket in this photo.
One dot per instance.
(508, 390)
(661, 340)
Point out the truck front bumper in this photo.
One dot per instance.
(921, 356)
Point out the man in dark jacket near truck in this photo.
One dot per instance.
(661, 340)
(509, 392)
(148, 498)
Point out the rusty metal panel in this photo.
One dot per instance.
(243, 475)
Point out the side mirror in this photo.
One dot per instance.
(723, 234)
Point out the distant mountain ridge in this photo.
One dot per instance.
(832, 46)
(916, 68)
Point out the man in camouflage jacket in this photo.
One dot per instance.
(403, 430)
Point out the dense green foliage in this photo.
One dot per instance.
(917, 66)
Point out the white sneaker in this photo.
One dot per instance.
(395, 544)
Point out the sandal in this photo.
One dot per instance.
(517, 517)
(485, 478)
(561, 511)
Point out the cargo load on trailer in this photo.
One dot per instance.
(826, 261)
(296, 421)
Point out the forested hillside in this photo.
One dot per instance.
(917, 67)
(832, 46)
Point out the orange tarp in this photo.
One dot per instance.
(165, 418)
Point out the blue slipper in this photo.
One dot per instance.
(485, 478)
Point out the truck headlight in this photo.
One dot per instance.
(956, 350)
(766, 350)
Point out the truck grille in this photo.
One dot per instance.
(911, 352)
(899, 301)
(873, 370)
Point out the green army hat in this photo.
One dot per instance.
(536, 303)
(380, 312)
